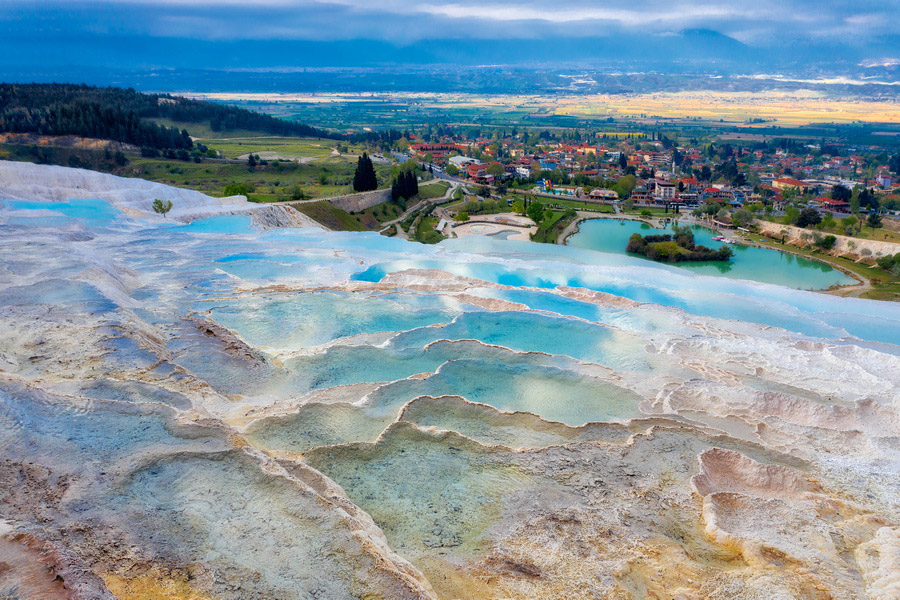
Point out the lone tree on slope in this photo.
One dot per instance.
(364, 179)
(874, 221)
(161, 207)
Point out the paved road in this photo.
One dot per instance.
(420, 206)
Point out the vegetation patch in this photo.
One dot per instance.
(329, 215)
(679, 247)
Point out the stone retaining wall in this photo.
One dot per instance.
(362, 200)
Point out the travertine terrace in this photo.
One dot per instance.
(231, 404)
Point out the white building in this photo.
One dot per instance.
(462, 161)
(665, 191)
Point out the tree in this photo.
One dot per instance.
(742, 218)
(850, 225)
(840, 192)
(890, 263)
(625, 185)
(808, 216)
(874, 221)
(495, 169)
(161, 207)
(452, 171)
(518, 207)
(867, 199)
(461, 216)
(536, 212)
(364, 178)
(791, 214)
(251, 161)
(405, 185)
(790, 192)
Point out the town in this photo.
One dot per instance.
(655, 171)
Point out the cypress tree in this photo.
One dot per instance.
(413, 184)
(364, 178)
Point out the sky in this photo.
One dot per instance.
(230, 34)
(757, 22)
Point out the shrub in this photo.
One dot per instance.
(239, 189)
(826, 243)
(890, 263)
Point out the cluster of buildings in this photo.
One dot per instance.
(663, 173)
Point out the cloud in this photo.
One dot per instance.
(624, 16)
(403, 21)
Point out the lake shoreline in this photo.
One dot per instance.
(859, 283)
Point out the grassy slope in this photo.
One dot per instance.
(866, 233)
(577, 204)
(884, 285)
(548, 230)
(433, 189)
(202, 130)
(330, 216)
(270, 182)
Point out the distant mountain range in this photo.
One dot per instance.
(201, 64)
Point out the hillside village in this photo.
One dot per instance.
(654, 170)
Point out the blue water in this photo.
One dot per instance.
(296, 321)
(755, 264)
(220, 224)
(211, 255)
(524, 264)
(76, 209)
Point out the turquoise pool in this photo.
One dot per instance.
(755, 264)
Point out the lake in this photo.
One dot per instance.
(755, 264)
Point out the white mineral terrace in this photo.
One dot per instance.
(232, 403)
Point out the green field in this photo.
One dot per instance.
(272, 182)
(425, 231)
(576, 204)
(550, 229)
(202, 130)
(274, 147)
(434, 189)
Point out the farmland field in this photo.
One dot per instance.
(746, 110)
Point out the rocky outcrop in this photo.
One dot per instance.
(32, 567)
(845, 246)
